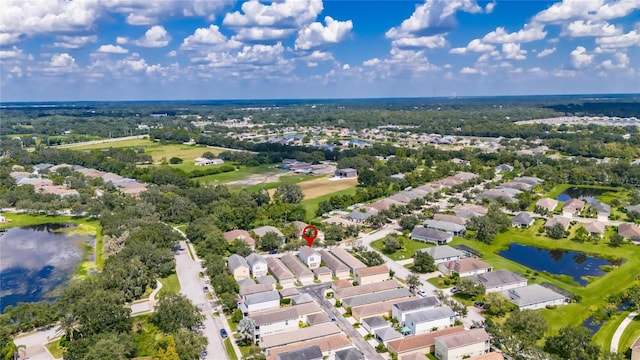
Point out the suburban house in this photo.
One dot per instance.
(264, 301)
(280, 271)
(382, 296)
(565, 222)
(200, 161)
(634, 208)
(351, 262)
(264, 230)
(504, 168)
(443, 253)
(358, 216)
(300, 226)
(351, 291)
(434, 236)
(573, 207)
(635, 350)
(328, 345)
(349, 354)
(379, 309)
(469, 210)
(299, 270)
(382, 204)
(399, 311)
(507, 195)
(299, 335)
(516, 185)
(323, 274)
(257, 265)
(499, 280)
(603, 210)
(547, 204)
(629, 231)
(346, 173)
(463, 344)
(373, 323)
(449, 228)
(595, 229)
(337, 267)
(533, 297)
(522, 220)
(267, 279)
(419, 344)
(425, 320)
(253, 288)
(533, 181)
(238, 267)
(243, 235)
(310, 257)
(280, 320)
(464, 267)
(308, 353)
(451, 219)
(386, 334)
(372, 274)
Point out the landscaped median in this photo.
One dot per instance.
(228, 347)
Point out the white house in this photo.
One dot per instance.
(443, 253)
(462, 345)
(206, 162)
(310, 257)
(264, 301)
(533, 297)
(257, 265)
(276, 321)
(425, 320)
(499, 280)
(400, 310)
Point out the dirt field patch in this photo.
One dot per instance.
(323, 186)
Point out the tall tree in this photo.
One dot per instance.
(572, 343)
(423, 262)
(245, 330)
(288, 193)
(176, 312)
(413, 281)
(519, 334)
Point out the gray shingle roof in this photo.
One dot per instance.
(497, 278)
(442, 252)
(422, 232)
(332, 262)
(261, 297)
(377, 297)
(254, 258)
(428, 315)
(387, 333)
(416, 304)
(308, 353)
(444, 226)
(236, 261)
(529, 295)
(375, 322)
(522, 218)
(358, 215)
(349, 354)
(296, 266)
(267, 279)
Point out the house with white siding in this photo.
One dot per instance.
(310, 257)
(257, 265)
(533, 297)
(462, 345)
(426, 320)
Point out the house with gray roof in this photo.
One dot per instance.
(499, 280)
(469, 210)
(533, 297)
(565, 222)
(299, 270)
(464, 344)
(547, 204)
(310, 257)
(531, 180)
(400, 310)
(275, 321)
(443, 253)
(595, 228)
(381, 296)
(267, 279)
(280, 272)
(238, 267)
(308, 353)
(522, 220)
(263, 301)
(375, 322)
(430, 235)
(448, 227)
(634, 208)
(451, 219)
(337, 267)
(386, 334)
(358, 216)
(603, 210)
(425, 320)
(503, 167)
(349, 260)
(349, 354)
(504, 194)
(254, 289)
(264, 230)
(257, 265)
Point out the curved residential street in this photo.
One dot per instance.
(615, 340)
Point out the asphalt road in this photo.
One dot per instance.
(317, 292)
(191, 285)
(35, 343)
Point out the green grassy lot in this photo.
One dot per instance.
(55, 349)
(593, 295)
(608, 328)
(407, 251)
(229, 349)
(170, 285)
(630, 335)
(146, 335)
(242, 173)
(311, 205)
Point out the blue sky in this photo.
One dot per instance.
(228, 49)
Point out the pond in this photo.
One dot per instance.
(586, 194)
(37, 261)
(561, 262)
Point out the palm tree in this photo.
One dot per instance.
(68, 326)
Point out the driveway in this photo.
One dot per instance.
(317, 292)
(191, 285)
(35, 343)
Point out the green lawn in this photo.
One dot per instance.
(631, 333)
(605, 334)
(146, 335)
(311, 205)
(55, 349)
(407, 251)
(229, 349)
(241, 173)
(593, 295)
(170, 285)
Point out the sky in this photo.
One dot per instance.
(73, 50)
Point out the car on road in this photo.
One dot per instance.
(453, 290)
(422, 293)
(333, 318)
(203, 354)
(479, 304)
(274, 251)
(205, 289)
(223, 333)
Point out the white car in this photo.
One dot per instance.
(422, 293)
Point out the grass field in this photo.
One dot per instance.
(55, 349)
(407, 251)
(593, 296)
(240, 174)
(311, 205)
(630, 335)
(229, 349)
(318, 187)
(170, 285)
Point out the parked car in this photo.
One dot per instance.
(274, 251)
(223, 333)
(205, 289)
(454, 289)
(333, 318)
(478, 304)
(422, 293)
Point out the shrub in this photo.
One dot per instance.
(175, 160)
(381, 348)
(338, 303)
(551, 307)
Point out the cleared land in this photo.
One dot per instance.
(322, 186)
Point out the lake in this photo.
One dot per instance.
(37, 261)
(587, 194)
(562, 262)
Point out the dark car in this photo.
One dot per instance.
(333, 318)
(205, 289)
(274, 251)
(223, 333)
(478, 304)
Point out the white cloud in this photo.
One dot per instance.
(546, 52)
(11, 54)
(315, 34)
(372, 62)
(527, 34)
(469, 70)
(155, 37)
(74, 42)
(208, 38)
(112, 49)
(145, 12)
(596, 10)
(620, 61)
(405, 63)
(579, 58)
(8, 39)
(512, 51)
(62, 60)
(19, 17)
(346, 67)
(489, 8)
(433, 17)
(631, 38)
(430, 42)
(581, 28)
(121, 40)
(475, 45)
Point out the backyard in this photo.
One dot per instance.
(409, 247)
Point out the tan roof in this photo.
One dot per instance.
(296, 266)
(275, 316)
(464, 338)
(636, 345)
(594, 227)
(339, 284)
(384, 204)
(629, 230)
(289, 292)
(573, 205)
(465, 265)
(547, 203)
(322, 270)
(415, 356)
(558, 220)
(450, 218)
(347, 258)
(373, 270)
(420, 341)
(328, 343)
(347, 292)
(239, 234)
(254, 289)
(377, 308)
(337, 220)
(299, 225)
(488, 356)
(319, 318)
(298, 335)
(332, 262)
(278, 270)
